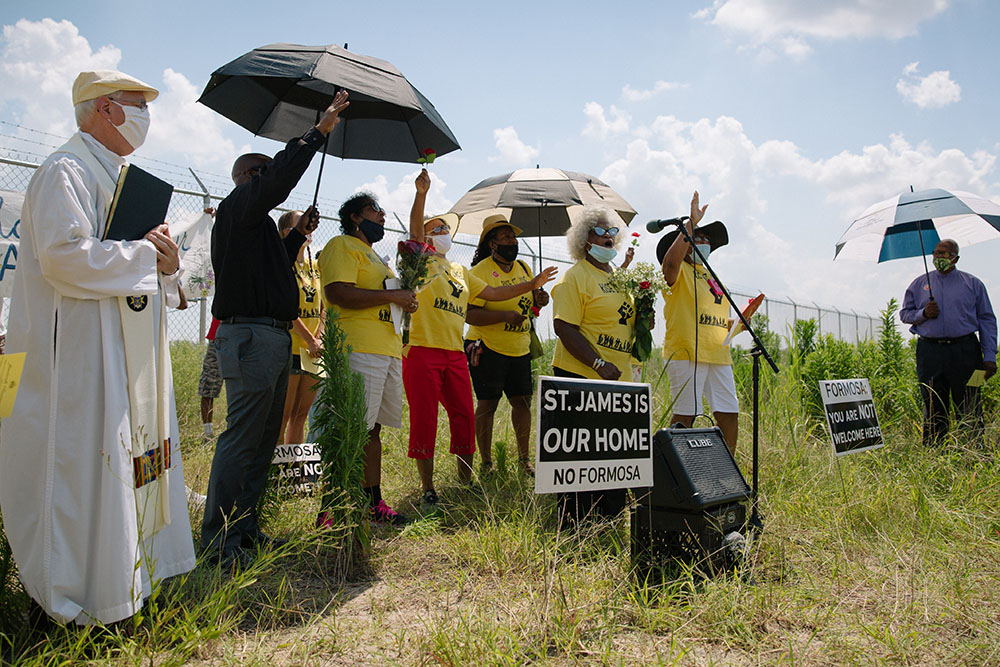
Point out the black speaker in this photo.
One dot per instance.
(693, 470)
(711, 537)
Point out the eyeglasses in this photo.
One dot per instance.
(141, 104)
(605, 231)
(440, 229)
(375, 207)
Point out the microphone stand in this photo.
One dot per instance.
(756, 521)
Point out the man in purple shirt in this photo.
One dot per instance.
(948, 349)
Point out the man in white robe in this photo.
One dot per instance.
(71, 509)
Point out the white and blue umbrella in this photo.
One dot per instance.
(912, 223)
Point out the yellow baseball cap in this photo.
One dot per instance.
(491, 222)
(94, 84)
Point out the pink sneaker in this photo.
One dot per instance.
(382, 513)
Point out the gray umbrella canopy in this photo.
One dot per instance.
(539, 201)
(276, 91)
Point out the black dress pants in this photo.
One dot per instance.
(944, 369)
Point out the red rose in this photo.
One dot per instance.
(644, 284)
(536, 311)
(411, 247)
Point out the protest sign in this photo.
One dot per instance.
(592, 435)
(296, 469)
(850, 415)
(10, 238)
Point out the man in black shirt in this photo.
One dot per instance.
(256, 299)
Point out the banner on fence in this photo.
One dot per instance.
(850, 415)
(296, 469)
(10, 237)
(592, 435)
(193, 236)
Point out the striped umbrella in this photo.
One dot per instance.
(539, 201)
(912, 223)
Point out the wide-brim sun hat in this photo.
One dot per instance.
(716, 232)
(497, 220)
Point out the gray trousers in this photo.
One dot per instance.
(254, 360)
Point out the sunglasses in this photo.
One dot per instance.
(440, 229)
(375, 207)
(605, 231)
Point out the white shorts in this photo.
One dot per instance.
(383, 387)
(715, 382)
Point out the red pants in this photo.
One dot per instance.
(430, 376)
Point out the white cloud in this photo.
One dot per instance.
(598, 124)
(184, 131)
(399, 199)
(784, 209)
(39, 61)
(512, 150)
(933, 91)
(636, 95)
(788, 25)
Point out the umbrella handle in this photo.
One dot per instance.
(319, 178)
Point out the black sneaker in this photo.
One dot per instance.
(430, 498)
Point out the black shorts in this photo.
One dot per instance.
(497, 374)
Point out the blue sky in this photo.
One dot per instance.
(789, 116)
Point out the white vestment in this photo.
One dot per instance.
(66, 470)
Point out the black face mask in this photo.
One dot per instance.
(507, 253)
(372, 231)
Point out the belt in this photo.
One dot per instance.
(949, 341)
(284, 325)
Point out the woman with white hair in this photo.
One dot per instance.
(594, 323)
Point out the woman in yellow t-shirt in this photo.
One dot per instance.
(434, 367)
(595, 325)
(354, 284)
(501, 335)
(307, 335)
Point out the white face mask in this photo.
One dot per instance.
(705, 249)
(135, 127)
(442, 243)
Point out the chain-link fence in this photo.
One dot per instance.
(194, 192)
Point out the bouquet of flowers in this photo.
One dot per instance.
(643, 281)
(413, 265)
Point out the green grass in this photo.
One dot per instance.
(888, 557)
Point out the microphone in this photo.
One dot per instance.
(656, 226)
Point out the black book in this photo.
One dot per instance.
(140, 203)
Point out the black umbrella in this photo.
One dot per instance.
(540, 201)
(277, 91)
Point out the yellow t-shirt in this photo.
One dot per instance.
(606, 318)
(348, 259)
(679, 315)
(440, 317)
(307, 278)
(509, 339)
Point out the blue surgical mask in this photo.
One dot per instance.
(705, 249)
(602, 254)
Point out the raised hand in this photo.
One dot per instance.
(331, 116)
(697, 212)
(423, 182)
